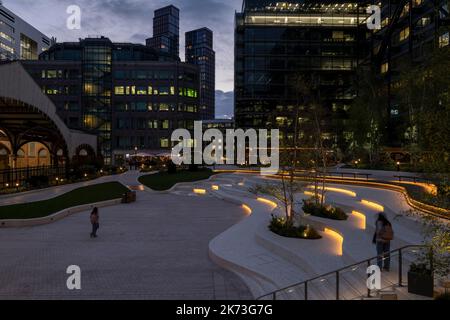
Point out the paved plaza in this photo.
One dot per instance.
(160, 246)
(156, 248)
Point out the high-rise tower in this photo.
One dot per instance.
(199, 51)
(166, 31)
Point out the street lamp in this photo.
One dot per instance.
(398, 165)
(135, 157)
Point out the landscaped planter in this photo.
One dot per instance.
(421, 284)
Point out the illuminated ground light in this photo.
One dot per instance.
(361, 219)
(240, 184)
(266, 201)
(199, 191)
(340, 190)
(247, 209)
(338, 239)
(214, 187)
(373, 205)
(428, 187)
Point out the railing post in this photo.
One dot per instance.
(274, 296)
(306, 290)
(368, 289)
(400, 268)
(337, 285)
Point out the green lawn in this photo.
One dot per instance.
(77, 197)
(164, 181)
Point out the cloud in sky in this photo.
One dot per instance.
(132, 21)
(224, 105)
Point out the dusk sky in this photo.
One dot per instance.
(131, 21)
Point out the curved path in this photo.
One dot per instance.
(156, 248)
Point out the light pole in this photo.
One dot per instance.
(135, 158)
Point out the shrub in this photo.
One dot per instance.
(193, 167)
(171, 168)
(420, 268)
(38, 181)
(443, 296)
(287, 229)
(327, 212)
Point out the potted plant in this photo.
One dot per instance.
(420, 280)
(436, 234)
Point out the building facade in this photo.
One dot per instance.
(129, 95)
(200, 51)
(279, 45)
(411, 31)
(18, 39)
(166, 31)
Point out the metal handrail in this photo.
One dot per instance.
(337, 272)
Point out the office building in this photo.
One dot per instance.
(199, 51)
(18, 39)
(411, 31)
(280, 44)
(129, 95)
(166, 31)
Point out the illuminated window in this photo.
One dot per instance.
(28, 48)
(119, 91)
(404, 34)
(150, 90)
(164, 91)
(281, 121)
(384, 67)
(164, 143)
(164, 107)
(90, 122)
(172, 90)
(153, 124)
(191, 93)
(7, 48)
(444, 40)
(165, 124)
(52, 74)
(141, 91)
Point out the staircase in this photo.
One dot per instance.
(349, 283)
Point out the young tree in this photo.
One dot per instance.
(368, 115)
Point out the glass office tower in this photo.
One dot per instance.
(199, 51)
(280, 44)
(166, 31)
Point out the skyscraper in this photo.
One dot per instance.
(166, 31)
(18, 39)
(199, 51)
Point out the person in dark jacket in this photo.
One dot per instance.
(382, 238)
(95, 219)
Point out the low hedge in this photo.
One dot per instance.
(327, 212)
(287, 229)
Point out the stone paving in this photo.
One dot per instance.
(156, 248)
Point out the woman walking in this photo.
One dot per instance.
(95, 222)
(383, 236)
